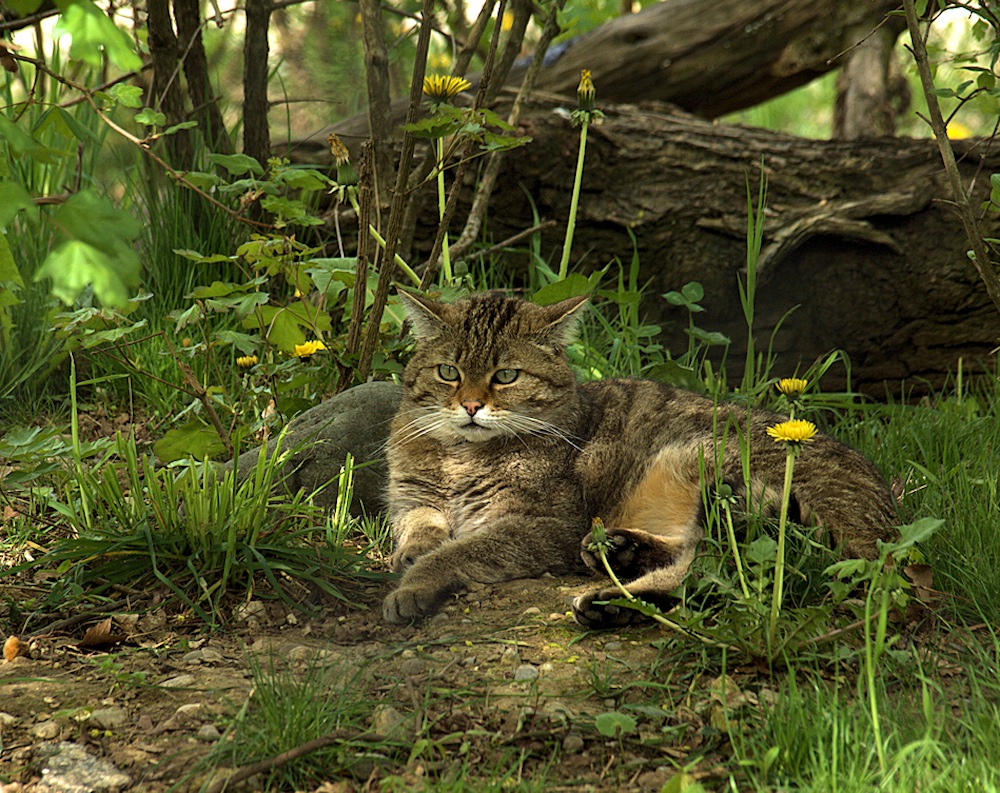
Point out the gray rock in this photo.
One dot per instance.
(179, 681)
(209, 733)
(525, 672)
(69, 768)
(46, 730)
(355, 421)
(572, 744)
(110, 718)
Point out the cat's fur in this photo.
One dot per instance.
(491, 481)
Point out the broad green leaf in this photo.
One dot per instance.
(14, 198)
(94, 35)
(237, 164)
(217, 289)
(10, 285)
(150, 118)
(194, 440)
(24, 145)
(81, 132)
(126, 95)
(178, 127)
(614, 724)
(201, 179)
(97, 251)
(23, 7)
(306, 179)
(75, 265)
(194, 256)
(285, 327)
(572, 285)
(290, 210)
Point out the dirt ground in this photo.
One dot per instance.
(502, 672)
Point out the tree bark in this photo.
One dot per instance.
(256, 132)
(715, 58)
(205, 107)
(861, 239)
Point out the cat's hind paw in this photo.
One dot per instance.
(632, 553)
(592, 610)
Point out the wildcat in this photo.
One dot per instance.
(499, 461)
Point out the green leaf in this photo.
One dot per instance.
(97, 251)
(178, 127)
(202, 180)
(126, 95)
(306, 179)
(285, 327)
(10, 285)
(683, 782)
(708, 337)
(14, 198)
(150, 118)
(23, 7)
(573, 285)
(94, 35)
(614, 724)
(194, 256)
(237, 164)
(194, 440)
(24, 145)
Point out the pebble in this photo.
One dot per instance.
(572, 744)
(208, 733)
(69, 768)
(413, 666)
(610, 647)
(388, 721)
(180, 681)
(108, 718)
(525, 672)
(532, 610)
(250, 610)
(46, 730)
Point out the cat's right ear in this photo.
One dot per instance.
(426, 316)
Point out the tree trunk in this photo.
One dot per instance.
(860, 240)
(256, 132)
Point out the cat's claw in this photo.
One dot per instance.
(409, 604)
(589, 612)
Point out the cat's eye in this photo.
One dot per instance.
(505, 376)
(448, 373)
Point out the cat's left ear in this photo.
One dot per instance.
(427, 316)
(563, 318)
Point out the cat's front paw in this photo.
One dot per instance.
(411, 603)
(591, 610)
(407, 554)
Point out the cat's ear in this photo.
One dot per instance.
(563, 318)
(426, 316)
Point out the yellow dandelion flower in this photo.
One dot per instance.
(792, 387)
(308, 348)
(958, 131)
(247, 361)
(793, 431)
(585, 91)
(442, 87)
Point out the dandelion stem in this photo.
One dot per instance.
(400, 262)
(736, 550)
(574, 202)
(779, 564)
(445, 255)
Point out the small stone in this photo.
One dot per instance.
(525, 672)
(46, 730)
(572, 744)
(108, 718)
(304, 652)
(144, 723)
(212, 656)
(531, 610)
(208, 733)
(388, 721)
(291, 619)
(190, 714)
(546, 668)
(250, 610)
(179, 681)
(413, 666)
(7, 720)
(610, 647)
(192, 658)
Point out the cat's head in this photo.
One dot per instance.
(490, 366)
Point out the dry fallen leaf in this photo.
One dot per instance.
(100, 635)
(14, 647)
(6, 60)
(922, 578)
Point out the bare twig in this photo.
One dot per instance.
(980, 254)
(474, 222)
(263, 766)
(397, 209)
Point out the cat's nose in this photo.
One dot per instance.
(472, 407)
